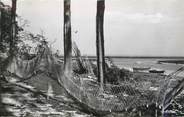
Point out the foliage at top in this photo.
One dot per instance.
(25, 43)
(5, 29)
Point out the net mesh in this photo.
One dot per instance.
(113, 98)
(23, 68)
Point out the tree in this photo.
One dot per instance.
(100, 40)
(6, 29)
(13, 26)
(0, 25)
(67, 38)
(9, 30)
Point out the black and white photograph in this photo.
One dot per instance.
(91, 58)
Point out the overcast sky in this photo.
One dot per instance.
(132, 27)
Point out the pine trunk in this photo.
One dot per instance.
(100, 40)
(67, 38)
(0, 26)
(13, 26)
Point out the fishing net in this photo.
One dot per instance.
(116, 98)
(23, 68)
(27, 68)
(129, 94)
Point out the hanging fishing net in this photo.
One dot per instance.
(129, 94)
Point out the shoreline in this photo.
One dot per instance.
(171, 61)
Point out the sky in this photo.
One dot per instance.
(131, 27)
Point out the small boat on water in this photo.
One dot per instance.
(156, 71)
(136, 69)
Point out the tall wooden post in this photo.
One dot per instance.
(100, 40)
(0, 24)
(67, 38)
(13, 26)
(3, 111)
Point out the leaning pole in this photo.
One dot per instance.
(67, 38)
(100, 41)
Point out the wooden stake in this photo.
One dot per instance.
(67, 38)
(100, 41)
(156, 111)
(0, 25)
(13, 26)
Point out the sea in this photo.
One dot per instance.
(153, 63)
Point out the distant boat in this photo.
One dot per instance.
(141, 68)
(156, 71)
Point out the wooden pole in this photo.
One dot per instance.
(13, 26)
(0, 24)
(100, 41)
(67, 38)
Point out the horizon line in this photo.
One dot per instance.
(122, 56)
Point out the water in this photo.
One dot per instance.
(129, 63)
